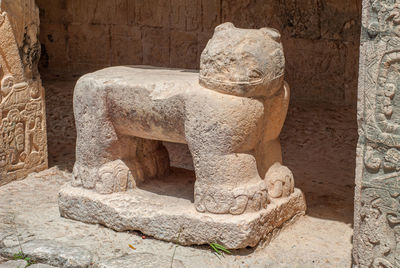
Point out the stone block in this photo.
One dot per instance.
(54, 12)
(310, 64)
(126, 45)
(203, 38)
(301, 18)
(171, 216)
(155, 13)
(89, 46)
(211, 14)
(99, 12)
(156, 47)
(184, 50)
(252, 13)
(111, 12)
(186, 15)
(82, 12)
(341, 20)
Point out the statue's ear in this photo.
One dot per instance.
(224, 26)
(274, 34)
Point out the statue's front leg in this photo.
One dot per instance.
(222, 132)
(227, 179)
(228, 183)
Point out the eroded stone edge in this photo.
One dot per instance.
(232, 231)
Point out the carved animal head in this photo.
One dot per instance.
(243, 62)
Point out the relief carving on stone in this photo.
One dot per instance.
(22, 121)
(377, 236)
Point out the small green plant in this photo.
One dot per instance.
(219, 249)
(21, 256)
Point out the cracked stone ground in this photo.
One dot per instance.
(318, 145)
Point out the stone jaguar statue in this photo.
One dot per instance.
(230, 116)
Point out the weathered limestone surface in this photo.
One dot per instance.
(53, 253)
(165, 210)
(23, 145)
(142, 260)
(377, 201)
(13, 264)
(23, 264)
(321, 37)
(230, 115)
(41, 265)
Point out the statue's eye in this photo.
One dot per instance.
(255, 73)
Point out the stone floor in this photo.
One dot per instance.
(319, 146)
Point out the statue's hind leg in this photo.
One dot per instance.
(97, 142)
(106, 161)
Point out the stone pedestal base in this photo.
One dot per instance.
(164, 209)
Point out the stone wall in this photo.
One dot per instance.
(23, 145)
(321, 37)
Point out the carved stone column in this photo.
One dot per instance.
(377, 200)
(23, 143)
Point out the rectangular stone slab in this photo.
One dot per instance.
(156, 213)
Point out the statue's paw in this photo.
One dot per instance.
(113, 177)
(215, 201)
(84, 176)
(250, 197)
(246, 198)
(280, 181)
(240, 204)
